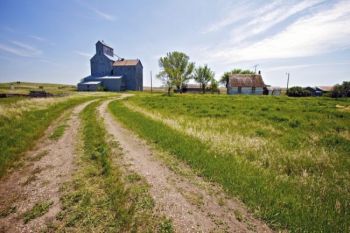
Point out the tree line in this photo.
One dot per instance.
(339, 91)
(177, 70)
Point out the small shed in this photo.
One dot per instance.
(89, 86)
(276, 91)
(249, 84)
(315, 91)
(192, 88)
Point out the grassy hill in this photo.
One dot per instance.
(25, 87)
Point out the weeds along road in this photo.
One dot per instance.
(192, 204)
(38, 181)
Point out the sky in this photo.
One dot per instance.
(52, 40)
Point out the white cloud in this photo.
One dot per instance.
(269, 17)
(98, 12)
(322, 32)
(83, 54)
(38, 38)
(54, 63)
(104, 15)
(301, 66)
(236, 14)
(20, 49)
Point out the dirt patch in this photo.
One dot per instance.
(47, 166)
(191, 207)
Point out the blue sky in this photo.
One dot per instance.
(53, 40)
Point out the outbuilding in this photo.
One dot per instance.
(276, 91)
(314, 91)
(89, 86)
(249, 84)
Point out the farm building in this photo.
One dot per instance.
(192, 88)
(319, 91)
(111, 73)
(276, 91)
(325, 89)
(249, 84)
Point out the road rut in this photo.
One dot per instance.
(190, 207)
(47, 166)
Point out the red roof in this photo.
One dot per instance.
(246, 80)
(326, 88)
(125, 62)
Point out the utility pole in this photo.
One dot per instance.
(151, 82)
(287, 79)
(255, 66)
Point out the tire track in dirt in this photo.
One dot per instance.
(47, 166)
(191, 208)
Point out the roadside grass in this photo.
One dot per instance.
(296, 193)
(58, 132)
(60, 129)
(101, 197)
(19, 133)
(8, 101)
(25, 87)
(38, 210)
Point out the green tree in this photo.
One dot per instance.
(298, 92)
(224, 78)
(214, 86)
(342, 90)
(203, 75)
(176, 70)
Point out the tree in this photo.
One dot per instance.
(298, 92)
(214, 86)
(203, 75)
(224, 78)
(176, 70)
(166, 80)
(342, 90)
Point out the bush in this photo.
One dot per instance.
(342, 90)
(298, 92)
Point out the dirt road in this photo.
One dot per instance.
(46, 167)
(190, 206)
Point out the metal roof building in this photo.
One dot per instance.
(111, 73)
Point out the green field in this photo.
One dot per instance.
(25, 87)
(286, 158)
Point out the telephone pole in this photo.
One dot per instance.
(255, 66)
(287, 79)
(151, 82)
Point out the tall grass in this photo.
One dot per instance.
(98, 199)
(18, 134)
(281, 196)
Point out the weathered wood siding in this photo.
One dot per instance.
(245, 91)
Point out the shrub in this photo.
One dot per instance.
(342, 90)
(298, 92)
